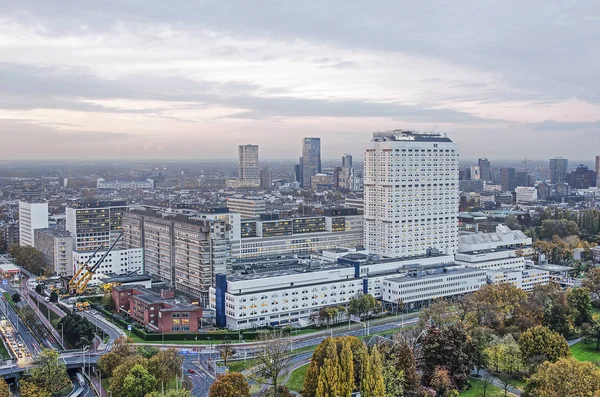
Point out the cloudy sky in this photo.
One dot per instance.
(192, 79)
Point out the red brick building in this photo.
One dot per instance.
(162, 313)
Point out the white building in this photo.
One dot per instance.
(411, 193)
(358, 203)
(57, 247)
(526, 194)
(31, 216)
(117, 262)
(102, 183)
(248, 169)
(525, 280)
(433, 286)
(503, 237)
(475, 173)
(248, 207)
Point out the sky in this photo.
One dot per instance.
(192, 79)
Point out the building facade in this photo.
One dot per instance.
(248, 171)
(311, 160)
(32, 216)
(411, 193)
(558, 170)
(248, 207)
(116, 262)
(57, 247)
(485, 169)
(526, 194)
(102, 183)
(95, 225)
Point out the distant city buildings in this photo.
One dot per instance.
(558, 170)
(526, 194)
(32, 216)
(310, 160)
(266, 179)
(598, 171)
(485, 169)
(102, 183)
(582, 177)
(411, 194)
(248, 170)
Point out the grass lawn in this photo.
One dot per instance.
(585, 352)
(476, 390)
(518, 383)
(296, 381)
(4, 352)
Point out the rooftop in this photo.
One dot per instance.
(56, 232)
(407, 135)
(407, 279)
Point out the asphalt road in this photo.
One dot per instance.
(24, 332)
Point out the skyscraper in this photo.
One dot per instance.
(248, 172)
(485, 169)
(347, 160)
(266, 179)
(311, 160)
(598, 171)
(411, 193)
(31, 216)
(508, 179)
(558, 170)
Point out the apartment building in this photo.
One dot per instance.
(57, 247)
(96, 224)
(186, 251)
(410, 193)
(248, 169)
(32, 216)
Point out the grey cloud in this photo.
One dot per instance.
(22, 131)
(553, 125)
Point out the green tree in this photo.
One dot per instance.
(4, 389)
(592, 282)
(539, 343)
(108, 302)
(117, 379)
(481, 337)
(226, 351)
(394, 381)
(346, 370)
(330, 375)
(171, 393)
(362, 305)
(49, 375)
(401, 355)
(166, 365)
(230, 385)
(122, 350)
(565, 377)
(138, 382)
(147, 351)
(29, 258)
(53, 297)
(273, 359)
(16, 297)
(39, 289)
(28, 388)
(557, 315)
(580, 301)
(591, 331)
(78, 331)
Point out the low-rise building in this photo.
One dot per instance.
(57, 247)
(248, 207)
(160, 313)
(117, 261)
(526, 194)
(102, 183)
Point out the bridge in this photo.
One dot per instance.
(77, 359)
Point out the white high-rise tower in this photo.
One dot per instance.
(411, 194)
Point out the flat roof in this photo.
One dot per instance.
(407, 279)
(554, 268)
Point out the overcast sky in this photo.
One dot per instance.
(193, 79)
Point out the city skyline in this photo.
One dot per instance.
(162, 82)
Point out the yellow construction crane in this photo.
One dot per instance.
(79, 282)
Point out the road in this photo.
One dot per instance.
(24, 332)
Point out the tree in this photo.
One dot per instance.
(592, 282)
(373, 384)
(29, 258)
(49, 375)
(440, 381)
(394, 381)
(481, 338)
(226, 351)
(281, 391)
(273, 359)
(230, 385)
(138, 382)
(347, 370)
(361, 305)
(39, 288)
(486, 381)
(108, 302)
(580, 301)
(166, 365)
(539, 343)
(440, 312)
(591, 331)
(450, 348)
(399, 355)
(29, 389)
(16, 297)
(557, 315)
(122, 350)
(117, 379)
(171, 393)
(506, 386)
(330, 375)
(4, 388)
(78, 331)
(53, 297)
(147, 351)
(565, 377)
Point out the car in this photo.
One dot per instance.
(191, 371)
(47, 299)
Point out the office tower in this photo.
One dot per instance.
(248, 173)
(558, 170)
(582, 177)
(411, 194)
(543, 191)
(347, 160)
(298, 172)
(266, 179)
(485, 169)
(522, 178)
(96, 224)
(507, 179)
(475, 173)
(598, 171)
(31, 216)
(311, 160)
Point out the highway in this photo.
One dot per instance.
(24, 332)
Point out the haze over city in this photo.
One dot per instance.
(136, 80)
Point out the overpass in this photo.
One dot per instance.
(71, 360)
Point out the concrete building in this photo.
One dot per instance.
(321, 181)
(57, 247)
(102, 183)
(475, 173)
(485, 169)
(94, 225)
(160, 313)
(31, 216)
(507, 179)
(185, 251)
(582, 177)
(598, 171)
(558, 170)
(266, 179)
(248, 171)
(411, 193)
(526, 194)
(354, 202)
(525, 279)
(121, 261)
(311, 160)
(248, 207)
